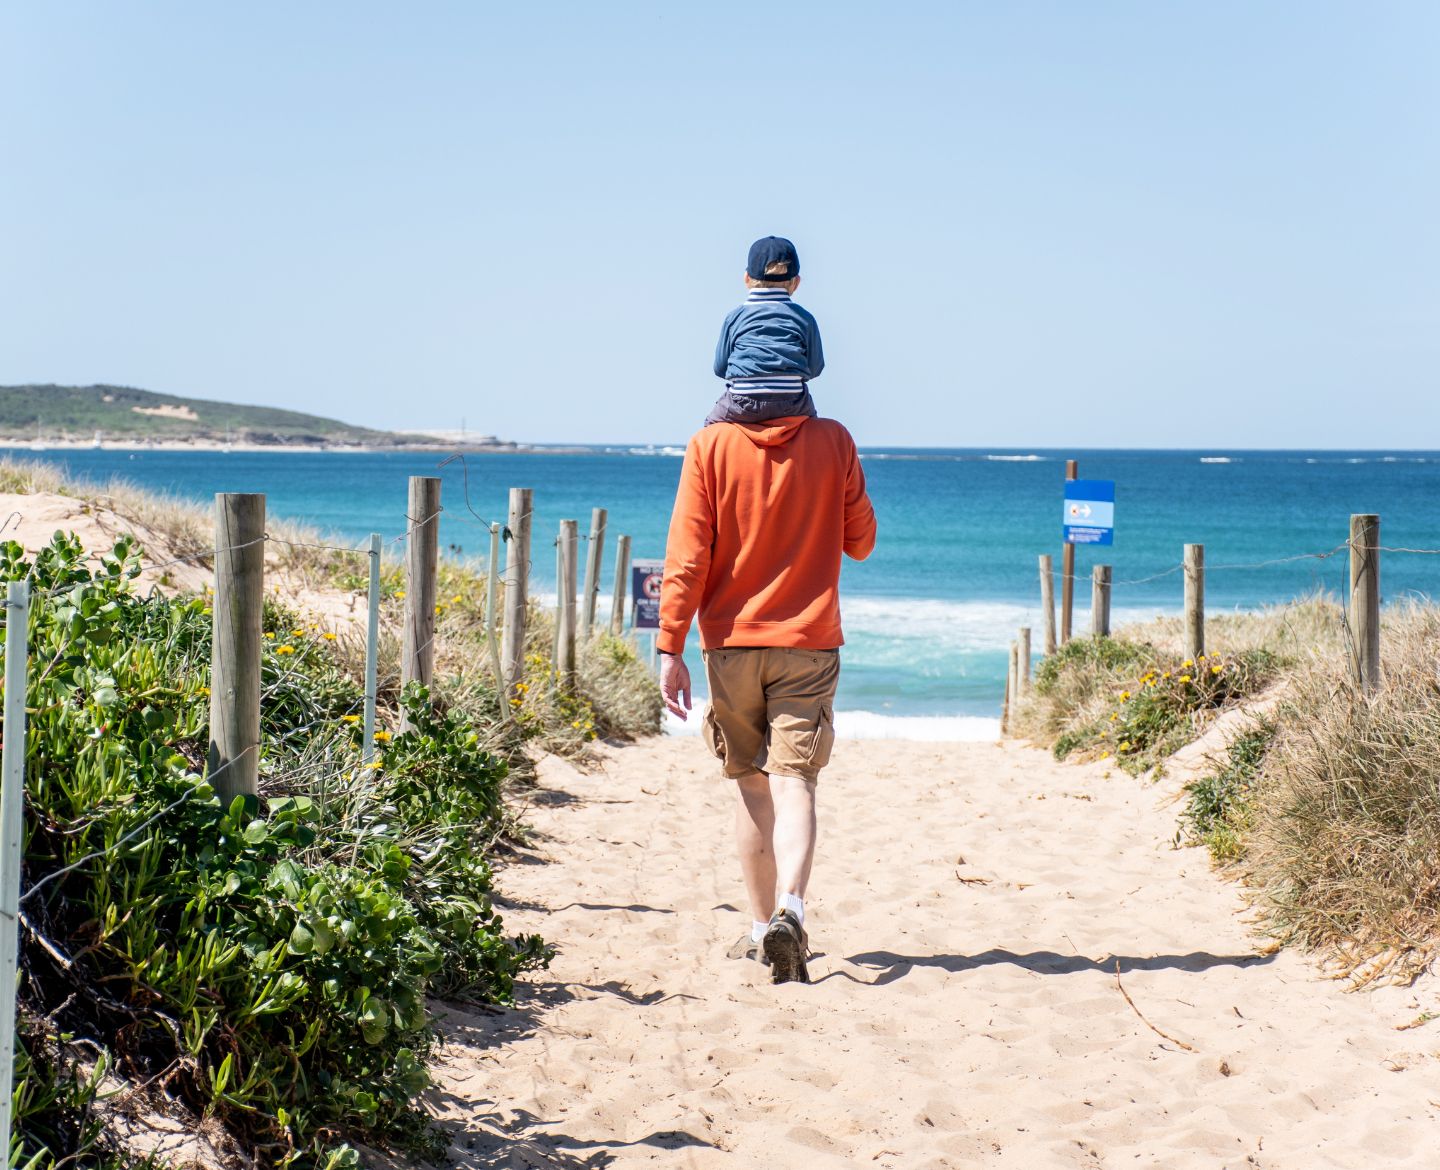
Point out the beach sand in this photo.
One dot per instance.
(970, 904)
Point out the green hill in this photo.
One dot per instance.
(121, 412)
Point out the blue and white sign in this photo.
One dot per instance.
(1090, 511)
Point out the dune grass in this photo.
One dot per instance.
(1344, 846)
(1135, 698)
(1327, 807)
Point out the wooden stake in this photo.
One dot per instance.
(517, 584)
(1100, 578)
(590, 601)
(1009, 706)
(1067, 570)
(565, 624)
(238, 608)
(1194, 600)
(1047, 600)
(372, 653)
(1365, 600)
(1024, 660)
(422, 563)
(622, 579)
(492, 639)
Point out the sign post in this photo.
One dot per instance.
(645, 577)
(1067, 568)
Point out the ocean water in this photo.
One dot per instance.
(929, 617)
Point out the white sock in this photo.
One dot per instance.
(757, 930)
(795, 904)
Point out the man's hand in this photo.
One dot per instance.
(675, 684)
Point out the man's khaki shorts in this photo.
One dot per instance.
(771, 710)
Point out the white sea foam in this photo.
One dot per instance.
(1217, 459)
(870, 725)
(1015, 458)
(904, 629)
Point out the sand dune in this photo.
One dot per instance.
(971, 903)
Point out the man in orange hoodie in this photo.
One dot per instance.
(762, 517)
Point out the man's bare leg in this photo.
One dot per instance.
(754, 833)
(793, 836)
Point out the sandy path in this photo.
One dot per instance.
(953, 1023)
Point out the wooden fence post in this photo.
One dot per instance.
(1024, 687)
(1194, 600)
(422, 560)
(1100, 578)
(1365, 599)
(372, 652)
(622, 579)
(1047, 600)
(237, 611)
(591, 600)
(1010, 686)
(517, 583)
(492, 638)
(565, 613)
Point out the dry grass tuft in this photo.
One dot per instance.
(1345, 848)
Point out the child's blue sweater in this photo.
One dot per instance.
(769, 343)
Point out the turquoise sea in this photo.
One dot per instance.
(929, 617)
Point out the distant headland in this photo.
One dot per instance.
(42, 416)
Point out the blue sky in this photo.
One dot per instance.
(1030, 224)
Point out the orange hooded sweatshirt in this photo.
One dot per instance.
(762, 515)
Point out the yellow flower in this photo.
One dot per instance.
(351, 718)
(382, 736)
(1214, 670)
(1114, 715)
(269, 635)
(375, 765)
(328, 637)
(1104, 755)
(204, 690)
(1124, 695)
(455, 600)
(1188, 663)
(399, 593)
(1202, 658)
(297, 633)
(576, 724)
(1184, 678)
(349, 775)
(1167, 674)
(286, 649)
(1124, 747)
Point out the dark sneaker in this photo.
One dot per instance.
(786, 946)
(747, 948)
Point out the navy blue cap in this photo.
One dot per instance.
(772, 250)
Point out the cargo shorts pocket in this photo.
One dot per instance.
(824, 741)
(710, 733)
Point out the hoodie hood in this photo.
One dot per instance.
(775, 433)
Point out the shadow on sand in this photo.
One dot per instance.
(891, 966)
